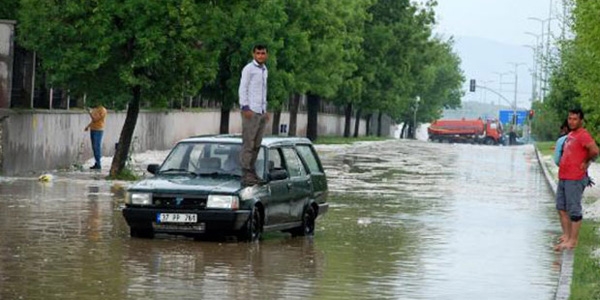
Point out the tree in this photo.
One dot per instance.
(243, 24)
(586, 69)
(149, 49)
(9, 9)
(394, 39)
(438, 83)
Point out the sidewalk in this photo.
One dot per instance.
(591, 211)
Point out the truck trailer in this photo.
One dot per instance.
(475, 131)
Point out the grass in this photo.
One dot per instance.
(333, 140)
(546, 148)
(126, 175)
(586, 269)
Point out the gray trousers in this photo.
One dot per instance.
(252, 133)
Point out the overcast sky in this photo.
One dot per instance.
(500, 20)
(502, 23)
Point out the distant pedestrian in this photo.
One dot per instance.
(579, 151)
(512, 137)
(96, 128)
(253, 102)
(560, 142)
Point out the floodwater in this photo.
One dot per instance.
(408, 220)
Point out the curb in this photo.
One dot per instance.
(563, 290)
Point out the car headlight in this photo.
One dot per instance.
(223, 201)
(140, 198)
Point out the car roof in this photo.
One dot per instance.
(267, 141)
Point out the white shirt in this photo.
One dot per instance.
(253, 87)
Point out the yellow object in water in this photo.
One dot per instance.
(45, 177)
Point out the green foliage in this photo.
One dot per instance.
(585, 63)
(403, 61)
(125, 174)
(8, 9)
(376, 54)
(586, 267)
(545, 125)
(104, 48)
(546, 148)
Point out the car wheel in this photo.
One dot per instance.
(138, 232)
(252, 231)
(308, 223)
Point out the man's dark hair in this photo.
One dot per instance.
(260, 47)
(577, 111)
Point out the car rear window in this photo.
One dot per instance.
(309, 158)
(294, 166)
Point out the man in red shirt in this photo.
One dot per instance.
(580, 150)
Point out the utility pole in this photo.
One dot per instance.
(500, 82)
(544, 54)
(546, 71)
(415, 117)
(516, 66)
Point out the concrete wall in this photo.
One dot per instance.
(6, 61)
(34, 141)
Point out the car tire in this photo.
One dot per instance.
(308, 223)
(252, 231)
(140, 232)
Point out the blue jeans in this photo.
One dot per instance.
(96, 137)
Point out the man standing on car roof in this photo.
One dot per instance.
(253, 102)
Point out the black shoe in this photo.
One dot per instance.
(95, 167)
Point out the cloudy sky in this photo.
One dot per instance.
(490, 34)
(504, 21)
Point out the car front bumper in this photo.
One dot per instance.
(208, 221)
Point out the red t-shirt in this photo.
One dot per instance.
(574, 154)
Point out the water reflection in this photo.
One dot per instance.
(408, 220)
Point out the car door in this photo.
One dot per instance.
(318, 179)
(277, 205)
(300, 186)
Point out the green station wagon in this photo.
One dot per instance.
(197, 190)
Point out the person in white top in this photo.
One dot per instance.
(253, 102)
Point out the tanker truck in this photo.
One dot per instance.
(478, 131)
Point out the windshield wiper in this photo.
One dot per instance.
(175, 170)
(215, 174)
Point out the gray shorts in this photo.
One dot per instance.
(568, 196)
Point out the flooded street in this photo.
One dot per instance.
(408, 220)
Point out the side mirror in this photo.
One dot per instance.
(153, 168)
(278, 175)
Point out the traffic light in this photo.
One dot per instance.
(472, 85)
(531, 113)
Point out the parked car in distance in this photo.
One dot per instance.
(197, 191)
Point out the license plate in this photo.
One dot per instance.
(176, 218)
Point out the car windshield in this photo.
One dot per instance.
(208, 159)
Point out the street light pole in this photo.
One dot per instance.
(533, 73)
(484, 94)
(538, 66)
(516, 65)
(544, 53)
(415, 117)
(500, 83)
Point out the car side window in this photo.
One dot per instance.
(309, 157)
(295, 167)
(275, 161)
